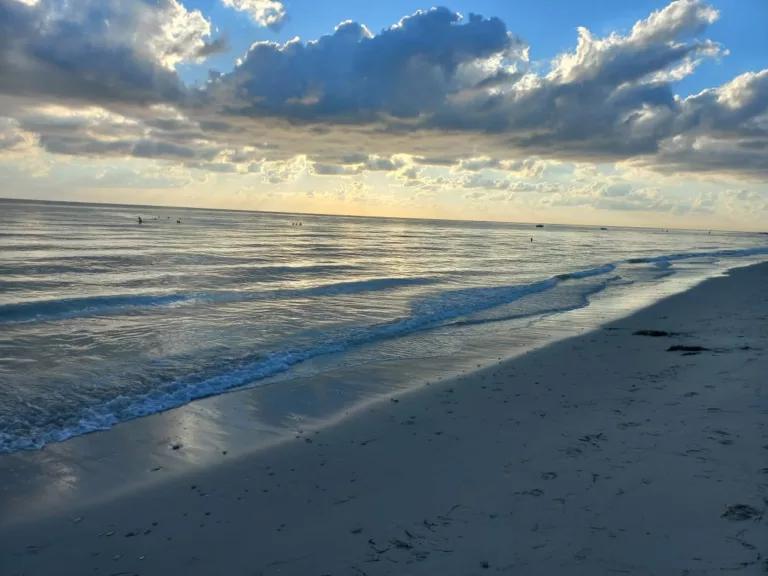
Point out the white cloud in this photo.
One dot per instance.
(268, 13)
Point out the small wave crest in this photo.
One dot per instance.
(689, 255)
(73, 307)
(46, 310)
(587, 273)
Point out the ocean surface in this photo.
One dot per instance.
(103, 319)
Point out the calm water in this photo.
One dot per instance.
(103, 319)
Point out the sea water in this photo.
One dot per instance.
(103, 319)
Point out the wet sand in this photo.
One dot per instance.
(607, 453)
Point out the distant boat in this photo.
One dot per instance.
(603, 228)
(539, 225)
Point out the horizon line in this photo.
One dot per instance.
(315, 214)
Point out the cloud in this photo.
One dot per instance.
(157, 149)
(477, 164)
(11, 137)
(593, 102)
(529, 167)
(267, 13)
(381, 164)
(598, 196)
(280, 172)
(217, 46)
(476, 195)
(352, 74)
(99, 51)
(334, 169)
(435, 91)
(747, 203)
(435, 84)
(722, 129)
(358, 163)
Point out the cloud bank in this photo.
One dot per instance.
(98, 78)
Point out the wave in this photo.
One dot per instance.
(356, 286)
(49, 270)
(309, 269)
(582, 302)
(453, 303)
(431, 312)
(587, 273)
(239, 275)
(76, 307)
(689, 255)
(45, 310)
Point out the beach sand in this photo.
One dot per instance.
(600, 454)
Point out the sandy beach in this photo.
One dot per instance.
(609, 453)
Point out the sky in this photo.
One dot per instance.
(642, 113)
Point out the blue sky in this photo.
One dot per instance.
(657, 115)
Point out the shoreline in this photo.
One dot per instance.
(507, 349)
(238, 422)
(597, 453)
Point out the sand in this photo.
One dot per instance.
(600, 454)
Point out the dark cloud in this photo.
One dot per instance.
(334, 170)
(99, 52)
(477, 164)
(156, 149)
(76, 145)
(435, 160)
(85, 143)
(218, 126)
(218, 46)
(352, 74)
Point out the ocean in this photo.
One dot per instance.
(103, 319)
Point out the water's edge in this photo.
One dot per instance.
(94, 467)
(267, 370)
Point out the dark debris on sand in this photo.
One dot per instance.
(680, 348)
(740, 512)
(654, 333)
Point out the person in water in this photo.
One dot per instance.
(140, 220)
